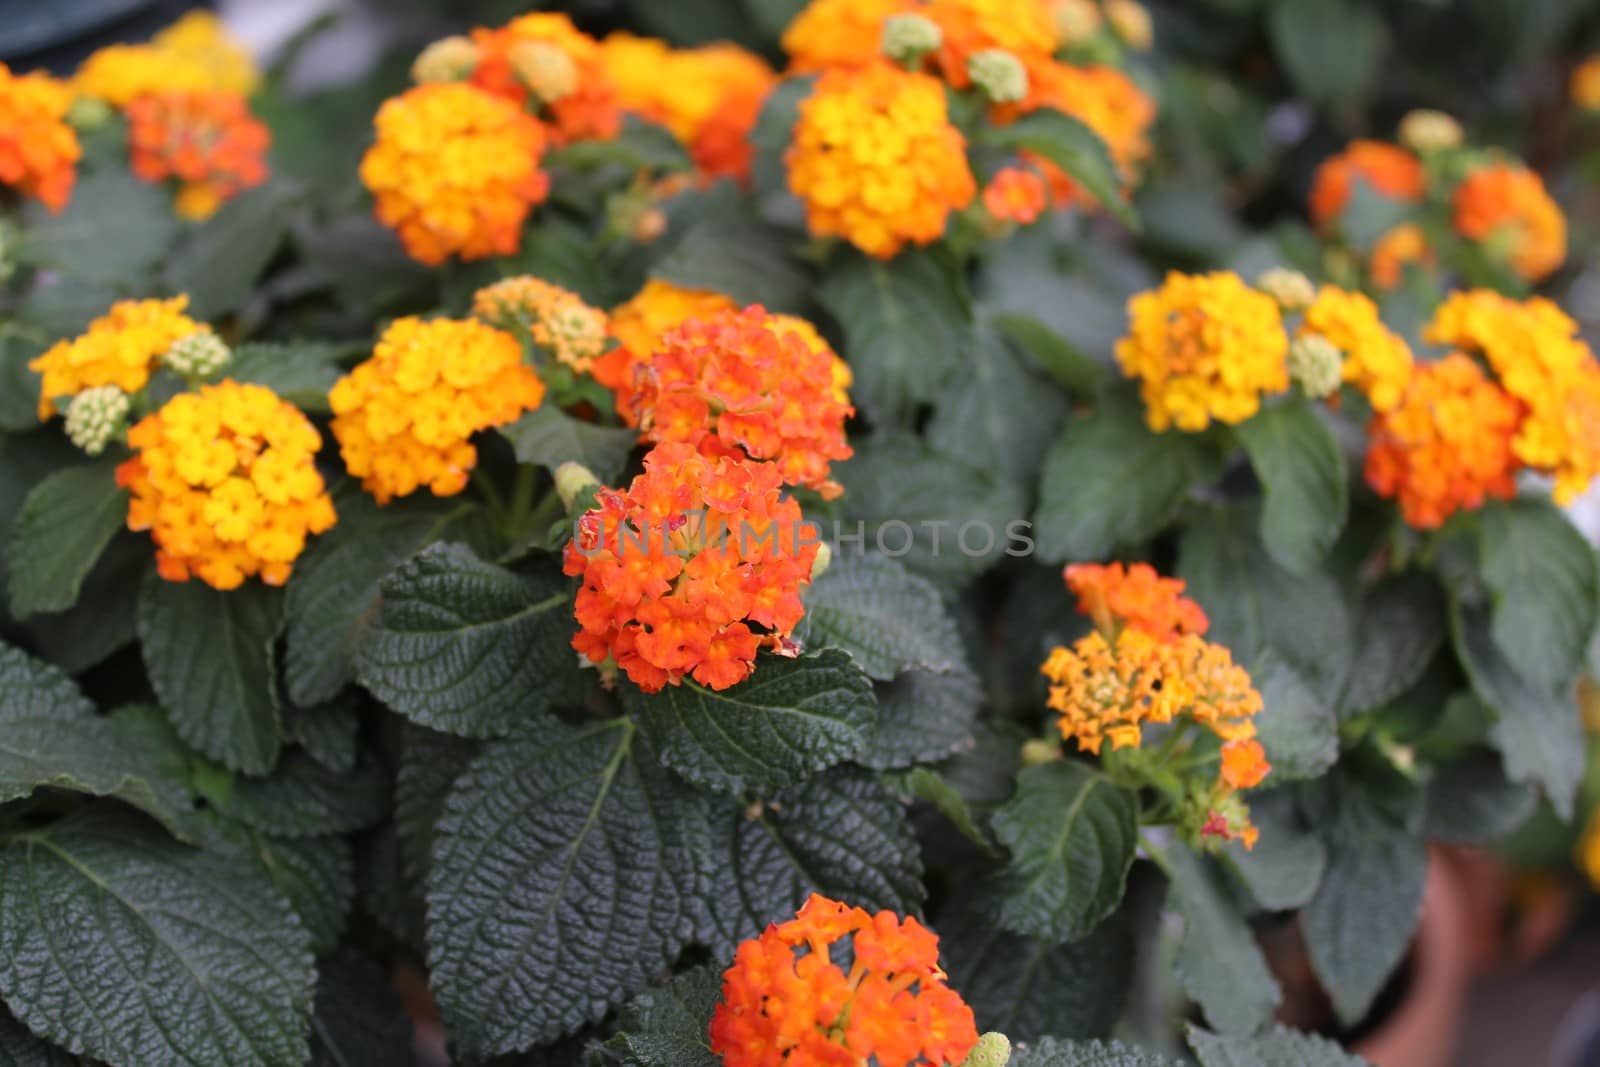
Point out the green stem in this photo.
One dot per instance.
(490, 493)
(1157, 857)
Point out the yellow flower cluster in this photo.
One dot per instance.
(1204, 347)
(829, 34)
(201, 37)
(194, 54)
(1533, 348)
(556, 318)
(876, 160)
(404, 418)
(1377, 361)
(120, 348)
(226, 482)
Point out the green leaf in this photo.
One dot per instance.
(1302, 472)
(639, 146)
(1399, 627)
(929, 786)
(327, 732)
(944, 518)
(19, 386)
(1052, 1052)
(115, 230)
(1110, 481)
(886, 619)
(997, 412)
(1331, 49)
(359, 1018)
(210, 655)
(1297, 729)
(119, 943)
(907, 326)
(1277, 1047)
(219, 261)
(20, 1048)
(302, 798)
(333, 595)
(1028, 988)
(430, 762)
(65, 523)
(1284, 869)
(314, 874)
(788, 720)
(1536, 729)
(1541, 574)
(550, 437)
(1471, 802)
(667, 1026)
(771, 136)
(1081, 375)
(470, 648)
(923, 717)
(1221, 966)
(102, 621)
(741, 259)
(1071, 145)
(565, 876)
(840, 834)
(301, 372)
(1072, 837)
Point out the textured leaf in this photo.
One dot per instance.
(102, 621)
(997, 412)
(1535, 728)
(301, 372)
(119, 943)
(315, 875)
(430, 762)
(1302, 472)
(1072, 837)
(327, 732)
(923, 717)
(1284, 869)
(886, 619)
(302, 798)
(907, 326)
(1277, 1047)
(218, 263)
(1071, 145)
(840, 834)
(1400, 627)
(1109, 481)
(1218, 960)
(788, 720)
(211, 659)
(65, 523)
(1471, 802)
(666, 1026)
(1297, 729)
(114, 230)
(1541, 573)
(333, 596)
(740, 258)
(550, 437)
(20, 1048)
(565, 874)
(1051, 1052)
(470, 648)
(359, 1018)
(929, 786)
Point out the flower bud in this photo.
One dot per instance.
(1424, 131)
(96, 416)
(573, 482)
(1292, 290)
(450, 59)
(199, 355)
(908, 37)
(999, 74)
(1040, 750)
(1131, 22)
(1316, 364)
(992, 1050)
(546, 69)
(820, 564)
(1077, 21)
(88, 113)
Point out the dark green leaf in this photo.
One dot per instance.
(115, 230)
(886, 619)
(1296, 727)
(302, 798)
(1541, 573)
(550, 437)
(1331, 49)
(1051, 1052)
(119, 943)
(666, 1026)
(1072, 837)
(211, 659)
(430, 762)
(19, 386)
(65, 523)
(639, 146)
(772, 134)
(929, 786)
(301, 372)
(359, 1018)
(741, 259)
(1470, 801)
(314, 874)
(102, 621)
(1218, 960)
(1284, 869)
(1277, 1047)
(1071, 145)
(997, 412)
(1302, 472)
(923, 716)
(1401, 624)
(327, 732)
(1080, 374)
(565, 876)
(20, 1048)
(219, 262)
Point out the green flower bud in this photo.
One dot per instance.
(1292, 290)
(199, 355)
(992, 1050)
(450, 59)
(1425, 131)
(96, 416)
(999, 74)
(545, 68)
(88, 113)
(574, 481)
(820, 564)
(1316, 364)
(907, 38)
(1040, 750)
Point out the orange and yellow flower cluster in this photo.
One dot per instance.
(691, 570)
(1377, 361)
(557, 319)
(39, 152)
(544, 63)
(120, 348)
(194, 54)
(737, 384)
(226, 482)
(205, 139)
(404, 419)
(785, 1003)
(1505, 207)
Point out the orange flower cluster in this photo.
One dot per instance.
(1102, 98)
(1447, 445)
(1402, 246)
(1016, 194)
(734, 385)
(1134, 597)
(226, 482)
(455, 171)
(1390, 171)
(120, 348)
(39, 152)
(206, 139)
(194, 54)
(555, 318)
(877, 161)
(678, 568)
(1508, 203)
(1024, 28)
(784, 1007)
(709, 97)
(1377, 361)
(831, 34)
(515, 62)
(404, 418)
(1533, 348)
(1584, 88)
